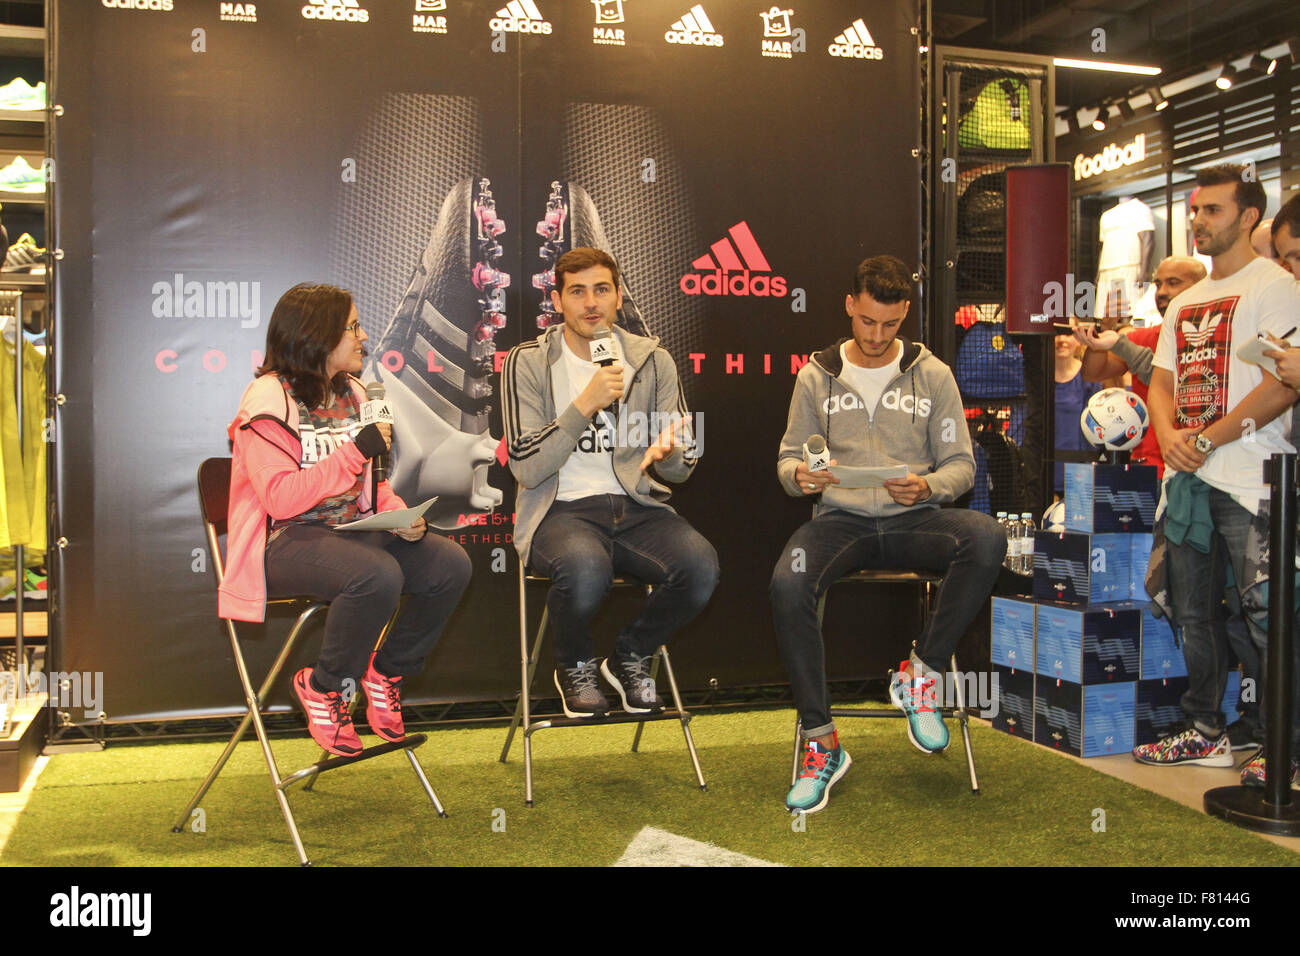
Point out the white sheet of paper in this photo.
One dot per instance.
(867, 477)
(1253, 352)
(388, 520)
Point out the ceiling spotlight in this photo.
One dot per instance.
(1157, 98)
(1262, 65)
(1099, 124)
(1226, 77)
(1125, 110)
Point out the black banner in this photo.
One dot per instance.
(738, 160)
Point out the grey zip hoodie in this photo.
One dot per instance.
(919, 421)
(540, 440)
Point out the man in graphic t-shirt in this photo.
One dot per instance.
(591, 502)
(879, 401)
(1218, 419)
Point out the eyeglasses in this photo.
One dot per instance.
(354, 328)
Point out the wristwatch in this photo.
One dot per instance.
(1203, 445)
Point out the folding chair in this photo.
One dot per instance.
(927, 581)
(214, 495)
(528, 667)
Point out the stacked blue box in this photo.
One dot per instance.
(1139, 558)
(1162, 656)
(1079, 568)
(1014, 712)
(1093, 645)
(1091, 721)
(1013, 633)
(1101, 498)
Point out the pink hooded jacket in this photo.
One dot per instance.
(267, 481)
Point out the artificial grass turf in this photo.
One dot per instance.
(895, 806)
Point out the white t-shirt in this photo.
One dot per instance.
(590, 469)
(869, 383)
(1203, 329)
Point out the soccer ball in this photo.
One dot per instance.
(1054, 517)
(1115, 418)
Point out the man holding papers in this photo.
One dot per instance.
(303, 465)
(879, 401)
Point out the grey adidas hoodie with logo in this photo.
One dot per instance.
(919, 421)
(541, 438)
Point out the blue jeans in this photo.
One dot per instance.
(966, 545)
(580, 545)
(1196, 585)
(363, 574)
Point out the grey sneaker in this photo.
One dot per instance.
(579, 689)
(631, 678)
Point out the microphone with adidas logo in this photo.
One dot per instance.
(604, 354)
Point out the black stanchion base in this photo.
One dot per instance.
(1245, 807)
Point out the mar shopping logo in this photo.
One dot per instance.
(856, 42)
(694, 29)
(239, 12)
(608, 12)
(520, 16)
(423, 19)
(731, 268)
(340, 10)
(778, 35)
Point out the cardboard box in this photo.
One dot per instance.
(1100, 497)
(1139, 558)
(1162, 657)
(1086, 721)
(1013, 633)
(1159, 709)
(1093, 645)
(1015, 713)
(1074, 567)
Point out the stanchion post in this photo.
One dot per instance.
(1280, 474)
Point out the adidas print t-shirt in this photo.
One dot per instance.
(590, 469)
(869, 383)
(322, 431)
(1203, 329)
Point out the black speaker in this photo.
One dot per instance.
(1039, 289)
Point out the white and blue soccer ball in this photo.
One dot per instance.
(1054, 517)
(1114, 418)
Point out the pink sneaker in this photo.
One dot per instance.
(328, 719)
(383, 703)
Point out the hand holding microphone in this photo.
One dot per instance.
(376, 412)
(606, 386)
(811, 475)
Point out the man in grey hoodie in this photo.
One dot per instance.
(591, 502)
(879, 400)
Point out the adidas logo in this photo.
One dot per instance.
(520, 16)
(422, 20)
(856, 42)
(138, 4)
(729, 269)
(239, 12)
(694, 29)
(338, 10)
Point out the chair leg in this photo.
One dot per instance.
(798, 748)
(527, 674)
(654, 675)
(964, 718)
(424, 781)
(685, 718)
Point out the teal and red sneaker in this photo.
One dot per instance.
(822, 767)
(328, 720)
(383, 703)
(915, 698)
(1189, 747)
(1254, 773)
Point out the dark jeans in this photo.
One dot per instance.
(967, 545)
(1196, 585)
(580, 545)
(363, 575)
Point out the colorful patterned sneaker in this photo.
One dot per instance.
(915, 698)
(383, 703)
(579, 689)
(1253, 774)
(822, 768)
(328, 719)
(631, 678)
(1188, 747)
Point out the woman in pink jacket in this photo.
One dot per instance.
(302, 465)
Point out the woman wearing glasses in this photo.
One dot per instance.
(302, 464)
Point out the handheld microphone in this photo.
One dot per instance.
(604, 353)
(816, 456)
(374, 410)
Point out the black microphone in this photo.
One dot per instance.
(377, 412)
(603, 354)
